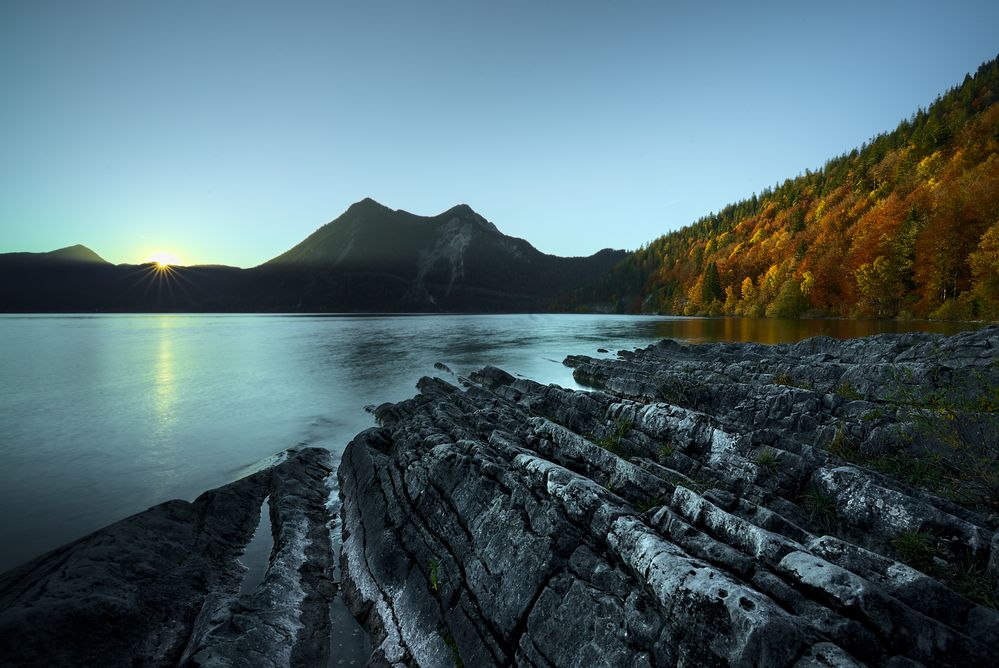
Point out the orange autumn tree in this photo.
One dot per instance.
(899, 227)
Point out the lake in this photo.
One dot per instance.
(106, 415)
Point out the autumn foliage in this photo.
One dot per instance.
(907, 225)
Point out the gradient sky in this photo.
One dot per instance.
(226, 132)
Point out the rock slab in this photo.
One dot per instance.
(162, 588)
(509, 523)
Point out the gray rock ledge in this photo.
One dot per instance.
(162, 588)
(710, 505)
(689, 512)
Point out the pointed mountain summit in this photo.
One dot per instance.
(77, 253)
(374, 258)
(371, 233)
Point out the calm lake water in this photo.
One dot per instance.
(103, 416)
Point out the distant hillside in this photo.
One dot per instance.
(373, 258)
(907, 225)
(76, 279)
(370, 259)
(77, 253)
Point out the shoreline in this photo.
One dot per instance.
(510, 519)
(375, 314)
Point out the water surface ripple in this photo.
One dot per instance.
(102, 416)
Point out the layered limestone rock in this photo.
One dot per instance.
(827, 503)
(706, 506)
(163, 588)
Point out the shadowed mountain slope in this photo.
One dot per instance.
(376, 258)
(369, 259)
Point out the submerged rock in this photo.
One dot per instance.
(688, 512)
(162, 588)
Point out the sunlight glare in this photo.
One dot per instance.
(164, 259)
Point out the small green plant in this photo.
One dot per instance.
(453, 646)
(951, 436)
(872, 414)
(974, 583)
(919, 549)
(612, 446)
(819, 508)
(841, 446)
(666, 451)
(784, 379)
(767, 459)
(699, 485)
(915, 548)
(788, 380)
(434, 569)
(551, 418)
(612, 442)
(929, 471)
(677, 391)
(646, 506)
(847, 391)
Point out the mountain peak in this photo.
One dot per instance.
(467, 213)
(460, 210)
(76, 253)
(367, 204)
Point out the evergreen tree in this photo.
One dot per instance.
(887, 229)
(711, 289)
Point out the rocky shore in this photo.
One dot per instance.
(707, 505)
(826, 503)
(163, 588)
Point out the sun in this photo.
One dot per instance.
(164, 259)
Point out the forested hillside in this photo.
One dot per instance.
(907, 225)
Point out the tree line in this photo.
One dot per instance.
(907, 225)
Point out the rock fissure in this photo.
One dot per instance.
(826, 503)
(704, 507)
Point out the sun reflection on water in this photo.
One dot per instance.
(164, 378)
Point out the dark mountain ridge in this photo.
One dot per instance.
(382, 235)
(454, 261)
(70, 254)
(370, 258)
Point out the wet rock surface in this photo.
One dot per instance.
(706, 505)
(162, 588)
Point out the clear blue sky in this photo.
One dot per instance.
(228, 131)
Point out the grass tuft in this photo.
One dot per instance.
(915, 548)
(434, 571)
(847, 391)
(820, 508)
(767, 459)
(453, 646)
(698, 485)
(841, 446)
(612, 442)
(646, 506)
(788, 380)
(919, 549)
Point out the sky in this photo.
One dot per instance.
(226, 132)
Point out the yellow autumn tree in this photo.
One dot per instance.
(984, 263)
